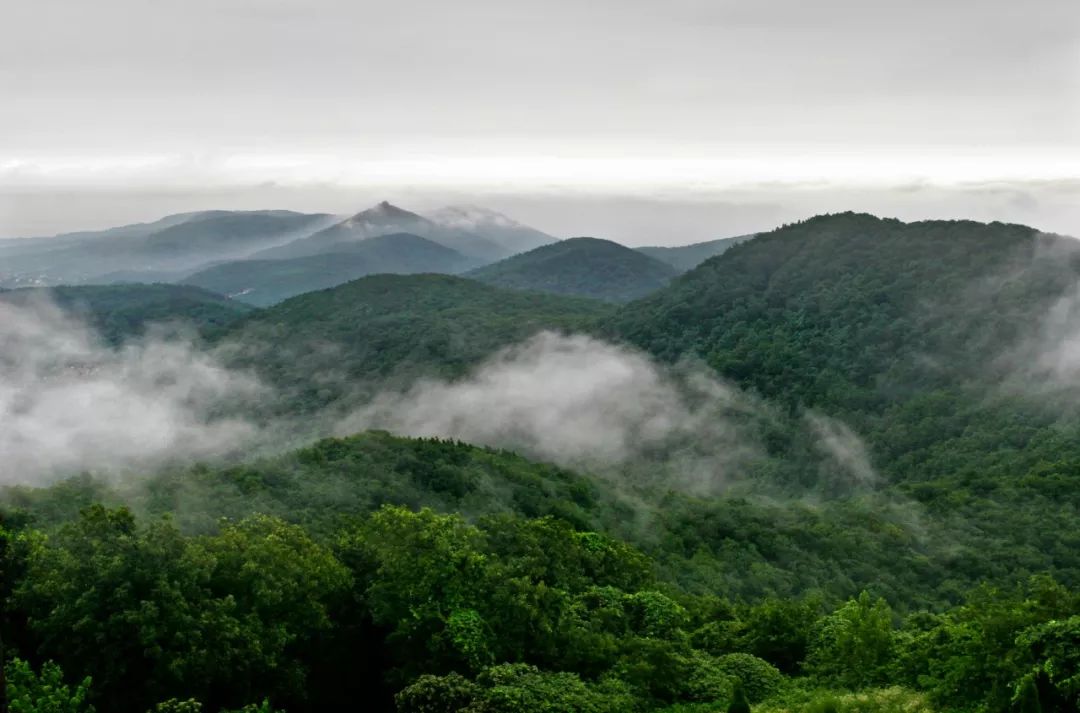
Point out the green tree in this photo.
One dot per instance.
(44, 692)
(739, 704)
(854, 645)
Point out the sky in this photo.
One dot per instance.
(641, 121)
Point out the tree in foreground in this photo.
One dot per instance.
(739, 704)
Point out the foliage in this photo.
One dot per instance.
(219, 617)
(585, 267)
(44, 692)
(121, 312)
(687, 257)
(436, 576)
(854, 645)
(386, 330)
(756, 679)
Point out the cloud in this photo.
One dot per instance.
(848, 453)
(69, 403)
(581, 402)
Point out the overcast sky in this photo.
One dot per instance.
(639, 120)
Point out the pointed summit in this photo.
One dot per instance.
(385, 218)
(386, 212)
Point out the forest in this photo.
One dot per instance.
(901, 536)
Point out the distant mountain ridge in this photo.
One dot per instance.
(175, 243)
(584, 267)
(507, 232)
(384, 219)
(119, 312)
(266, 282)
(687, 257)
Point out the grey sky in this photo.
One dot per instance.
(198, 102)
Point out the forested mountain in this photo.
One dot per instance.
(266, 282)
(899, 535)
(587, 267)
(912, 330)
(385, 330)
(386, 219)
(119, 312)
(157, 250)
(687, 257)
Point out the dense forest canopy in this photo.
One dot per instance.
(119, 312)
(899, 534)
(586, 267)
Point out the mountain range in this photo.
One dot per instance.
(687, 257)
(263, 257)
(868, 501)
(268, 281)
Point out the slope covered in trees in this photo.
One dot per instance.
(687, 257)
(586, 267)
(341, 592)
(119, 312)
(943, 578)
(385, 330)
(872, 318)
(266, 282)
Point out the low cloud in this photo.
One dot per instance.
(843, 447)
(578, 401)
(70, 403)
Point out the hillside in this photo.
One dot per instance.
(687, 257)
(148, 251)
(946, 345)
(944, 577)
(266, 282)
(388, 329)
(386, 219)
(122, 311)
(586, 267)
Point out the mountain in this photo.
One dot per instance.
(385, 330)
(266, 282)
(947, 347)
(173, 244)
(511, 235)
(230, 233)
(386, 219)
(130, 230)
(122, 311)
(587, 267)
(687, 257)
(932, 364)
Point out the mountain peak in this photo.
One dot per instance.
(384, 211)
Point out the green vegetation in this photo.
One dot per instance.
(686, 257)
(433, 576)
(385, 330)
(119, 312)
(266, 282)
(936, 342)
(586, 267)
(419, 611)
